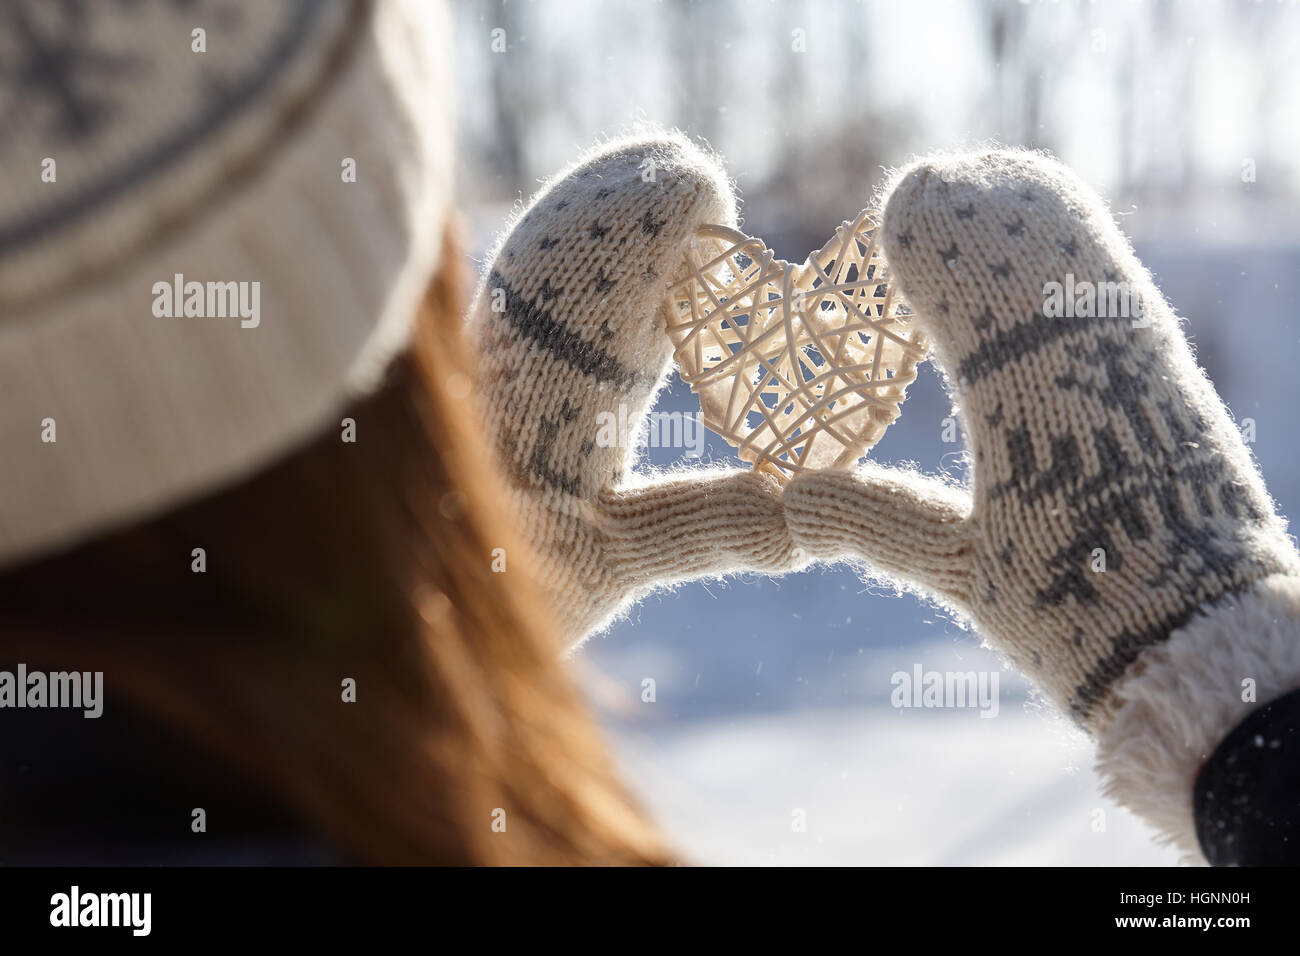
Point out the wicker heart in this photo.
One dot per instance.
(797, 366)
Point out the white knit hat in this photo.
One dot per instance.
(215, 142)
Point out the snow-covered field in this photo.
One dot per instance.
(863, 783)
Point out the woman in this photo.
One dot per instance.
(281, 539)
(273, 531)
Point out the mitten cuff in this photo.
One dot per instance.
(1185, 696)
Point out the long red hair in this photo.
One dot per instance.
(372, 560)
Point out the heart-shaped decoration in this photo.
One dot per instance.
(797, 366)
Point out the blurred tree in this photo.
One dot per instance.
(514, 94)
(699, 31)
(1021, 58)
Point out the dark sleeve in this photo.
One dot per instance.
(118, 790)
(1247, 796)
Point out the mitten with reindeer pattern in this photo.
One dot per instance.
(1117, 542)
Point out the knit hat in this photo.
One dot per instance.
(216, 222)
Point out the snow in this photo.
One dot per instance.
(875, 784)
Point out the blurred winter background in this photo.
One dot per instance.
(772, 701)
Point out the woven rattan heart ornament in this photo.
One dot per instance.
(797, 366)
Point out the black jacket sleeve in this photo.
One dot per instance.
(1247, 795)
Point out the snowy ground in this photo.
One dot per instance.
(873, 784)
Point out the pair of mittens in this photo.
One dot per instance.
(1117, 543)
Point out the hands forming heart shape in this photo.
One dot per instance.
(1115, 527)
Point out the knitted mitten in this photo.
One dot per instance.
(1117, 526)
(572, 344)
